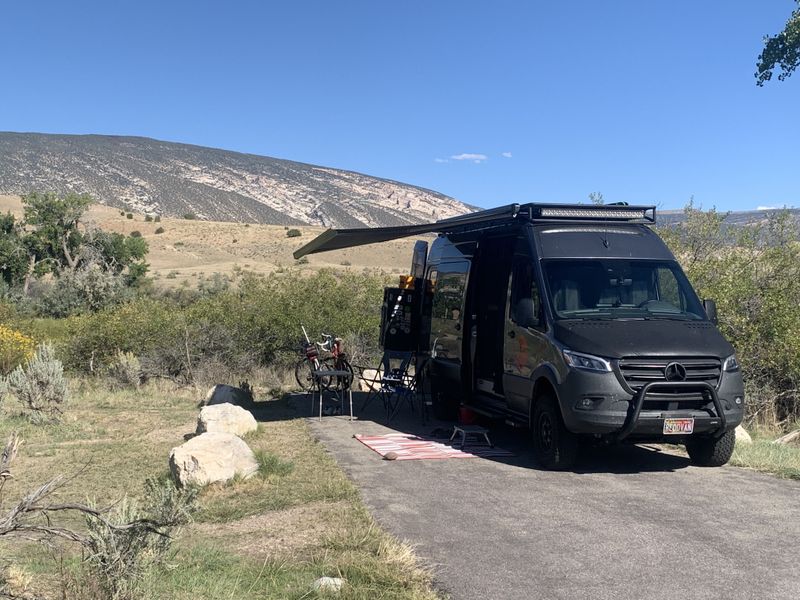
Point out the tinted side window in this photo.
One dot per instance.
(525, 305)
(448, 293)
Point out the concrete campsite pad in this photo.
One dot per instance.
(630, 522)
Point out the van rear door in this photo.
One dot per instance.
(449, 280)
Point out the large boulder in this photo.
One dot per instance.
(228, 394)
(210, 458)
(370, 380)
(225, 418)
(742, 437)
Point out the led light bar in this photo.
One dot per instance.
(607, 213)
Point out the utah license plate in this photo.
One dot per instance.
(678, 426)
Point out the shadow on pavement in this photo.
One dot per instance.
(617, 459)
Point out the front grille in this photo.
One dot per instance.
(636, 371)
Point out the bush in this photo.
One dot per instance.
(189, 216)
(293, 233)
(753, 273)
(159, 230)
(157, 219)
(76, 292)
(124, 544)
(136, 233)
(15, 348)
(148, 218)
(255, 324)
(126, 369)
(128, 215)
(40, 385)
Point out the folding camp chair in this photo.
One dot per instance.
(394, 385)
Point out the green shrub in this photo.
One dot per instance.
(40, 385)
(148, 218)
(128, 215)
(254, 324)
(159, 230)
(293, 233)
(753, 273)
(136, 233)
(157, 219)
(189, 216)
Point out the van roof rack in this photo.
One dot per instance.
(335, 239)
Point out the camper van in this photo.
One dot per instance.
(575, 321)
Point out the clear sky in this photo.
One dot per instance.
(643, 101)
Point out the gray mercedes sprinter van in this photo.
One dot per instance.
(575, 321)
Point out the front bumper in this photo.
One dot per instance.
(617, 413)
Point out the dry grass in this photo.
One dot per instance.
(196, 249)
(267, 537)
(762, 455)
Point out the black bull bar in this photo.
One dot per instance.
(638, 400)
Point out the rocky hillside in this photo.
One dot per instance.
(150, 176)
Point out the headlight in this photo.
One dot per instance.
(730, 364)
(587, 362)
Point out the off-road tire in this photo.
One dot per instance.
(556, 447)
(711, 451)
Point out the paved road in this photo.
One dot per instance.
(628, 523)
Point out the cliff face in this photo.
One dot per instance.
(171, 179)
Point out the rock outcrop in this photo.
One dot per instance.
(226, 418)
(211, 458)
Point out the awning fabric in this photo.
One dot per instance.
(335, 239)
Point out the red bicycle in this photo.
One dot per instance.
(313, 360)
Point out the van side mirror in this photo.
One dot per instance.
(711, 310)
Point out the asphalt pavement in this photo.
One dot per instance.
(628, 522)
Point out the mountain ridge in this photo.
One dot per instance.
(174, 179)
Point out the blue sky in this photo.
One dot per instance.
(643, 101)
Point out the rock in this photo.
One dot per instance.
(792, 438)
(211, 457)
(226, 418)
(742, 437)
(370, 380)
(391, 455)
(328, 584)
(222, 394)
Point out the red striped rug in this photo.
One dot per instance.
(411, 447)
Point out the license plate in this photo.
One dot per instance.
(678, 426)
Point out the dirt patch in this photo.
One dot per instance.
(276, 533)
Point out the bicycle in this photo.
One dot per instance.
(336, 360)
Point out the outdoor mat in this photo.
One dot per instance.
(406, 446)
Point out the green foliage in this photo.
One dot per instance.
(252, 324)
(13, 253)
(124, 544)
(293, 233)
(157, 219)
(189, 216)
(753, 273)
(129, 215)
(148, 218)
(136, 233)
(270, 464)
(159, 230)
(40, 385)
(781, 50)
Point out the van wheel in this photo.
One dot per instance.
(711, 452)
(556, 447)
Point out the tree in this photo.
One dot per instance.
(781, 50)
(13, 255)
(55, 221)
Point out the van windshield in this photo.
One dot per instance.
(620, 289)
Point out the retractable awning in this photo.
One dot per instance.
(336, 239)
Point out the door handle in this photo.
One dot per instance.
(511, 334)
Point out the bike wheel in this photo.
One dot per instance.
(303, 373)
(344, 382)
